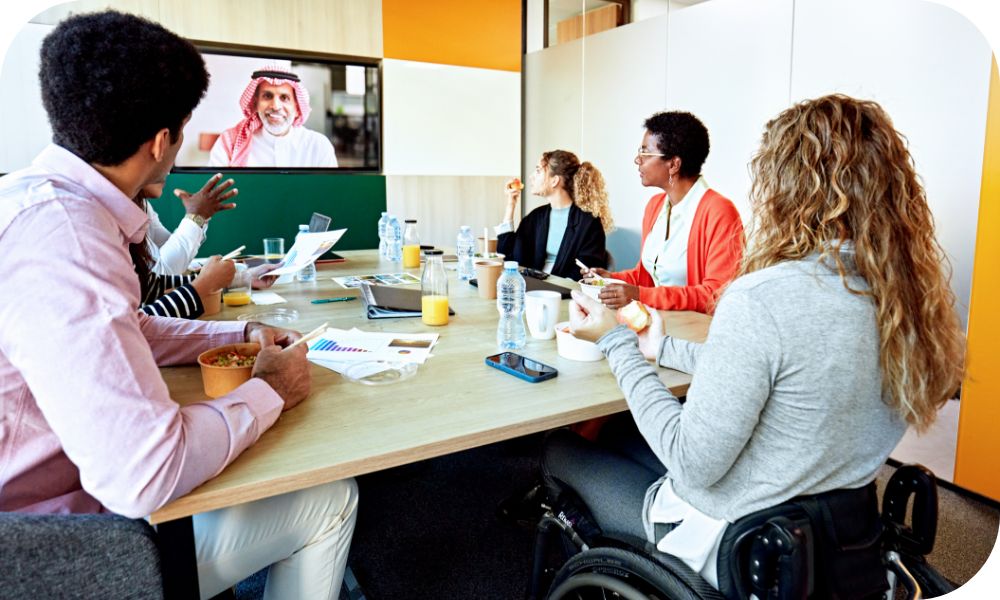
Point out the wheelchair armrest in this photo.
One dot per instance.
(918, 482)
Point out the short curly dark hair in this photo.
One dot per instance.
(111, 80)
(683, 135)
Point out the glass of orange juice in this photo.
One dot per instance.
(237, 293)
(434, 290)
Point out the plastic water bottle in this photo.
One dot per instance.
(308, 273)
(394, 239)
(510, 303)
(465, 247)
(383, 247)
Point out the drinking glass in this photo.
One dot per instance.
(274, 249)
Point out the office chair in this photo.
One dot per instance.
(78, 556)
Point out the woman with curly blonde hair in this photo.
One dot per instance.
(571, 226)
(838, 333)
(854, 200)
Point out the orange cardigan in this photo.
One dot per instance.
(715, 248)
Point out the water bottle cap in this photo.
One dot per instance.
(510, 264)
(385, 213)
(466, 228)
(304, 228)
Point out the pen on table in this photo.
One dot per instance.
(309, 336)
(336, 299)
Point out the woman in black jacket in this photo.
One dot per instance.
(571, 226)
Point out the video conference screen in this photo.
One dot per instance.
(265, 112)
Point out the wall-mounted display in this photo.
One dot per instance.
(281, 112)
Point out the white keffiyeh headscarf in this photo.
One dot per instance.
(236, 140)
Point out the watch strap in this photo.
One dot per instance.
(198, 220)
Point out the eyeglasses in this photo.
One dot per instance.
(642, 153)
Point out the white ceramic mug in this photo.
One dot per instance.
(541, 307)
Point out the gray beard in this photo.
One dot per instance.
(275, 130)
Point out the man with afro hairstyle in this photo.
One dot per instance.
(88, 423)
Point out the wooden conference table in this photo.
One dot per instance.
(454, 402)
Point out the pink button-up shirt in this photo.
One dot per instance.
(86, 421)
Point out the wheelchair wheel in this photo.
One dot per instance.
(615, 573)
(932, 583)
(594, 585)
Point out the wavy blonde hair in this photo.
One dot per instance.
(834, 169)
(584, 184)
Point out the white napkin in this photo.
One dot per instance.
(265, 298)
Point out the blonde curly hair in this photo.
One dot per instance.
(584, 184)
(834, 169)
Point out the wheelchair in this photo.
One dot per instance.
(799, 550)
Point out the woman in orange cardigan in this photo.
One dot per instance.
(692, 237)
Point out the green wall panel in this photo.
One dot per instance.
(273, 205)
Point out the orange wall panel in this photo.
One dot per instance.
(977, 460)
(468, 33)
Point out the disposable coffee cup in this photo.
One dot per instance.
(487, 273)
(492, 244)
(212, 303)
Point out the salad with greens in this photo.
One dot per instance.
(233, 359)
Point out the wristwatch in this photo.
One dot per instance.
(198, 220)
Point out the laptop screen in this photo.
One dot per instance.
(318, 223)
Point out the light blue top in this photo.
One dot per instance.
(558, 219)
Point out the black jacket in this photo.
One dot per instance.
(584, 239)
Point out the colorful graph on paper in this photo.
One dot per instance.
(324, 345)
(340, 346)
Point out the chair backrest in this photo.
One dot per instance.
(916, 482)
(78, 556)
(835, 536)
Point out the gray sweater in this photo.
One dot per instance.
(785, 397)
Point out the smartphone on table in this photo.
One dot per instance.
(521, 367)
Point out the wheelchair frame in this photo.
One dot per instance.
(778, 566)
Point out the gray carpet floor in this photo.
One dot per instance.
(428, 530)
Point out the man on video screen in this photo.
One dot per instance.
(275, 106)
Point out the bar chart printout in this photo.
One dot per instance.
(336, 345)
(333, 346)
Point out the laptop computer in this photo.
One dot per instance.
(320, 222)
